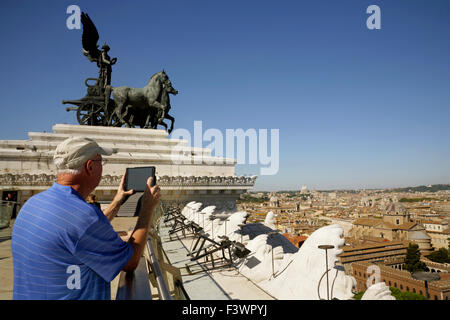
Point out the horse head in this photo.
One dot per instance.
(166, 83)
(159, 81)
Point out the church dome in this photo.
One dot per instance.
(395, 208)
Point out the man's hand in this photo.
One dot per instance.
(119, 199)
(122, 195)
(151, 196)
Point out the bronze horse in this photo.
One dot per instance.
(145, 107)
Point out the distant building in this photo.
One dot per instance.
(396, 225)
(388, 252)
(274, 201)
(402, 280)
(438, 232)
(435, 226)
(396, 214)
(442, 207)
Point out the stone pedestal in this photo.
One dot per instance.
(184, 173)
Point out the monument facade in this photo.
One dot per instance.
(27, 165)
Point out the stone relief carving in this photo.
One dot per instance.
(207, 181)
(109, 180)
(27, 179)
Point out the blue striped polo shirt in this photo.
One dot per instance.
(65, 248)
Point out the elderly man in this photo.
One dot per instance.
(66, 248)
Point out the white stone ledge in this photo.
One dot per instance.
(101, 130)
(45, 136)
(21, 145)
(126, 158)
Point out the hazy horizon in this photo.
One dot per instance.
(350, 189)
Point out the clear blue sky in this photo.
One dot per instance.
(356, 108)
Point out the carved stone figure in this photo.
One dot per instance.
(296, 273)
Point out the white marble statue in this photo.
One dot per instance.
(270, 220)
(289, 273)
(204, 218)
(378, 291)
(300, 275)
(191, 209)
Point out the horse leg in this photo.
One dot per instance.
(147, 121)
(164, 125)
(120, 99)
(160, 111)
(131, 119)
(118, 112)
(154, 123)
(172, 119)
(122, 115)
(128, 123)
(162, 115)
(153, 118)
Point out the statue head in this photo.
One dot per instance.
(105, 47)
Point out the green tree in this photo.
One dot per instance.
(440, 256)
(412, 261)
(359, 295)
(397, 294)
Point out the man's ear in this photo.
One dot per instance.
(88, 167)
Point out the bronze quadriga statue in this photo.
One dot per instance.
(144, 107)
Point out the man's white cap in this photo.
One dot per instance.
(73, 152)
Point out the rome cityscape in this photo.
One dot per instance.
(339, 186)
(379, 225)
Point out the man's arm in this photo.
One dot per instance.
(120, 197)
(138, 238)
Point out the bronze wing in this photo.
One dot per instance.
(89, 38)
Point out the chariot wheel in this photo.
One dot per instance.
(91, 114)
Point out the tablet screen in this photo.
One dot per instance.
(136, 178)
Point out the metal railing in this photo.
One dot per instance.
(165, 277)
(163, 289)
